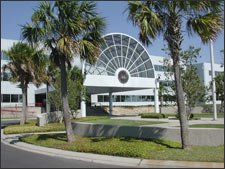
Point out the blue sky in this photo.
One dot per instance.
(15, 13)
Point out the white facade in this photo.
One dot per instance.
(204, 72)
(120, 53)
(11, 95)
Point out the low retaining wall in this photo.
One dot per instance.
(56, 116)
(210, 137)
(15, 112)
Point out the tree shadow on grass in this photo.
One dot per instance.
(132, 139)
(60, 137)
(162, 142)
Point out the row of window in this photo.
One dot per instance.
(11, 98)
(134, 98)
(166, 83)
(161, 68)
(126, 98)
(216, 73)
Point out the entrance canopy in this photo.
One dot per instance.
(123, 65)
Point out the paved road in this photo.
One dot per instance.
(4, 123)
(16, 158)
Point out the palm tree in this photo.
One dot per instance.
(204, 18)
(68, 29)
(26, 65)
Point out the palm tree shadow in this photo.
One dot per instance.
(60, 137)
(161, 142)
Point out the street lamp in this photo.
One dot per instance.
(213, 81)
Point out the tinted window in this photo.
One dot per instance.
(117, 39)
(100, 98)
(14, 98)
(6, 98)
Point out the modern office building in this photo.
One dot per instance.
(124, 75)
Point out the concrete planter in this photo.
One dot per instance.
(210, 137)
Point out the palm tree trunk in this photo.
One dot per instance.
(24, 109)
(181, 109)
(173, 37)
(65, 104)
(47, 103)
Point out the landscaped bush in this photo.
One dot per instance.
(156, 115)
(189, 118)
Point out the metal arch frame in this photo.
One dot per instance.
(128, 46)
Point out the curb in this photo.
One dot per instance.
(12, 140)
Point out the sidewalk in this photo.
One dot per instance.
(13, 140)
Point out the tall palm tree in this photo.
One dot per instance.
(155, 17)
(26, 65)
(68, 29)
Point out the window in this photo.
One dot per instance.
(161, 68)
(109, 40)
(133, 43)
(144, 56)
(128, 99)
(123, 98)
(117, 39)
(125, 40)
(118, 48)
(106, 98)
(6, 98)
(139, 98)
(216, 73)
(134, 98)
(14, 98)
(100, 98)
(144, 98)
(117, 98)
(139, 49)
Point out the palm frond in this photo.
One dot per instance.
(149, 21)
(207, 26)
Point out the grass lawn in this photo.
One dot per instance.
(206, 126)
(31, 126)
(130, 147)
(208, 115)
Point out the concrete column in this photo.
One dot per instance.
(110, 103)
(83, 107)
(156, 93)
(83, 101)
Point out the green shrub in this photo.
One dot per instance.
(153, 115)
(189, 118)
(156, 115)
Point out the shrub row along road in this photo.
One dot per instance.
(16, 158)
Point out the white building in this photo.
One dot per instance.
(11, 95)
(124, 75)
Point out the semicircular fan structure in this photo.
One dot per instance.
(122, 51)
